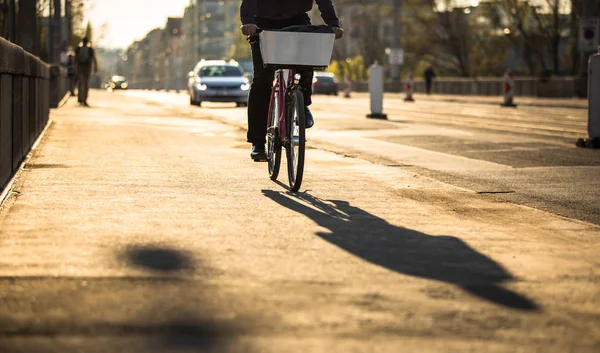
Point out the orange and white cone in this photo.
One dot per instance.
(409, 88)
(509, 89)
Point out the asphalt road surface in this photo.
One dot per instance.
(525, 155)
(141, 225)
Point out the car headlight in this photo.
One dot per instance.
(124, 85)
(201, 86)
(245, 86)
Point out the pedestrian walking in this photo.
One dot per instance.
(347, 86)
(71, 73)
(429, 75)
(86, 63)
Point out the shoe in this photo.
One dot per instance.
(258, 154)
(310, 121)
(85, 104)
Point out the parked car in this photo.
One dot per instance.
(218, 81)
(325, 83)
(117, 82)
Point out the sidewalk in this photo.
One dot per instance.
(140, 226)
(575, 103)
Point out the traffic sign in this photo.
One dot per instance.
(589, 34)
(396, 56)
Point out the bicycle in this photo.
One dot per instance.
(286, 124)
(286, 128)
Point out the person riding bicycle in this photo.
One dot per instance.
(271, 15)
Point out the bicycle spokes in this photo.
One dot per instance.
(296, 139)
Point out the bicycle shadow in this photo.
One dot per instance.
(442, 258)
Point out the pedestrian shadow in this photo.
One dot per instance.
(159, 259)
(441, 258)
(182, 322)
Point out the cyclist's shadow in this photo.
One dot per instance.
(442, 258)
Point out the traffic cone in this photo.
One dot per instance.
(409, 86)
(509, 89)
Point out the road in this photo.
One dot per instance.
(141, 224)
(525, 156)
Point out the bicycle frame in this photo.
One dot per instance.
(281, 86)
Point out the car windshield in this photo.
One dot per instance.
(327, 79)
(118, 78)
(220, 71)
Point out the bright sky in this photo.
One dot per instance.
(124, 21)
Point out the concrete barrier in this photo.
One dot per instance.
(555, 87)
(24, 105)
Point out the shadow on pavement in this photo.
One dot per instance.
(442, 258)
(180, 309)
(159, 259)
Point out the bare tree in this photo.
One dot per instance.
(444, 26)
(517, 19)
(552, 22)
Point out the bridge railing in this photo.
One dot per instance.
(27, 91)
(555, 87)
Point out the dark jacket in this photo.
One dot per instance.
(429, 74)
(286, 9)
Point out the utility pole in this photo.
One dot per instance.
(12, 14)
(69, 21)
(396, 39)
(28, 37)
(50, 33)
(57, 24)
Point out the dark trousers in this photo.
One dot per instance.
(83, 77)
(428, 83)
(72, 81)
(262, 82)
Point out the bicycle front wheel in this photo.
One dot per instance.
(273, 142)
(296, 130)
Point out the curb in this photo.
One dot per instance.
(9, 187)
(526, 104)
(64, 100)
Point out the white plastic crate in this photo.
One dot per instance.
(296, 48)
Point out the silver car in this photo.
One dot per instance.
(218, 81)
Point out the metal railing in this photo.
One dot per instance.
(25, 100)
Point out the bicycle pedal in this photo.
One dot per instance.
(261, 160)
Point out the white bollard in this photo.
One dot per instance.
(594, 97)
(593, 104)
(376, 92)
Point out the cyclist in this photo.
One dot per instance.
(276, 14)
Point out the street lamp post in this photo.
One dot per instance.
(27, 26)
(69, 20)
(396, 39)
(12, 13)
(57, 40)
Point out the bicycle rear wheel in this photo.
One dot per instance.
(273, 140)
(296, 129)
